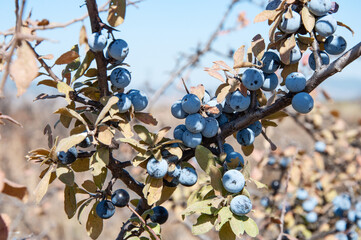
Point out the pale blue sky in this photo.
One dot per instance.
(159, 30)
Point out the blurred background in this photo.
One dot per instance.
(168, 40)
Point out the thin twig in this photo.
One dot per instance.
(144, 223)
(193, 59)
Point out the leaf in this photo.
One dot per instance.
(81, 205)
(153, 190)
(204, 206)
(344, 25)
(288, 69)
(277, 115)
(13, 189)
(126, 129)
(224, 215)
(67, 57)
(105, 135)
(112, 101)
(42, 186)
(258, 184)
(134, 144)
(100, 179)
(247, 150)
(69, 201)
(166, 194)
(216, 179)
(49, 83)
(265, 15)
(92, 72)
(146, 118)
(161, 134)
(215, 74)
(236, 226)
(71, 141)
(66, 89)
(144, 134)
(278, 19)
(238, 55)
(65, 174)
(250, 227)
(267, 123)
(223, 90)
(286, 48)
(198, 91)
(116, 12)
(99, 160)
(89, 186)
(205, 158)
(24, 69)
(71, 113)
(94, 224)
(308, 19)
(89, 57)
(226, 232)
(83, 39)
(258, 46)
(80, 165)
(203, 225)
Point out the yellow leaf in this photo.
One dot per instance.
(105, 135)
(71, 141)
(43, 185)
(113, 100)
(308, 19)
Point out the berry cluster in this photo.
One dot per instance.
(120, 77)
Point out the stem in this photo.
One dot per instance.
(143, 221)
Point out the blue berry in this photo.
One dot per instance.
(271, 62)
(105, 209)
(120, 77)
(97, 42)
(296, 82)
(191, 103)
(138, 99)
(245, 137)
(253, 78)
(191, 140)
(241, 205)
(188, 177)
(157, 169)
(118, 50)
(302, 102)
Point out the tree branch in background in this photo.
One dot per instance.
(195, 58)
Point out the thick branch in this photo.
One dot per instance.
(118, 171)
(99, 57)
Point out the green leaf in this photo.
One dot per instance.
(94, 224)
(80, 165)
(69, 201)
(89, 57)
(99, 160)
(65, 174)
(205, 158)
(49, 83)
(200, 207)
(226, 233)
(42, 186)
(216, 179)
(251, 227)
(225, 215)
(81, 206)
(155, 226)
(204, 224)
(236, 226)
(89, 186)
(144, 134)
(166, 194)
(100, 179)
(161, 134)
(116, 12)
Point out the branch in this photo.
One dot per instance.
(143, 221)
(95, 22)
(316, 79)
(118, 171)
(316, 51)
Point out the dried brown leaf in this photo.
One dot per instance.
(24, 69)
(67, 57)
